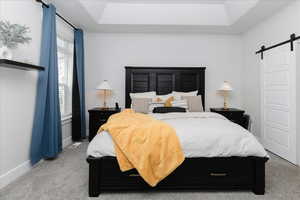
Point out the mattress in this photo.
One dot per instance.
(201, 134)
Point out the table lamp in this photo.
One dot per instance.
(225, 89)
(105, 87)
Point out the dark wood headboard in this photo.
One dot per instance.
(164, 80)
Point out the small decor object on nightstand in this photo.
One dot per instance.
(105, 87)
(224, 90)
(11, 35)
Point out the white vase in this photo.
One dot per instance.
(5, 53)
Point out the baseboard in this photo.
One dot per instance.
(15, 173)
(67, 141)
(24, 168)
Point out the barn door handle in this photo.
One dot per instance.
(218, 174)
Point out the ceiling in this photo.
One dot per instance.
(211, 16)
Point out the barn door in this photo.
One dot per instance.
(279, 102)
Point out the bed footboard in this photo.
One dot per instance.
(94, 176)
(259, 177)
(232, 173)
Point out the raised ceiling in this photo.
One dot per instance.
(213, 16)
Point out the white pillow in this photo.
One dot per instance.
(180, 103)
(142, 95)
(178, 95)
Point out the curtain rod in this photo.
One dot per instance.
(291, 41)
(70, 24)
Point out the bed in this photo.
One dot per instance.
(198, 172)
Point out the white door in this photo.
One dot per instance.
(279, 102)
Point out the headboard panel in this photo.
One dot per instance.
(164, 80)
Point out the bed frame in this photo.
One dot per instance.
(217, 173)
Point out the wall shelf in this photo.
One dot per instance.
(19, 65)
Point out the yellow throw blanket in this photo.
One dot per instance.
(144, 143)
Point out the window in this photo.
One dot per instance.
(65, 75)
(65, 48)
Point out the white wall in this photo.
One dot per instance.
(275, 29)
(18, 92)
(18, 89)
(107, 54)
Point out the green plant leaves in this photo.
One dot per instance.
(13, 34)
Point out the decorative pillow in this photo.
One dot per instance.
(158, 101)
(168, 102)
(161, 98)
(153, 105)
(141, 105)
(194, 103)
(142, 95)
(178, 95)
(168, 109)
(180, 103)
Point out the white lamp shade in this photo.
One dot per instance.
(226, 86)
(104, 86)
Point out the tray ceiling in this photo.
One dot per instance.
(217, 16)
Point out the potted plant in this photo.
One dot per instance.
(11, 35)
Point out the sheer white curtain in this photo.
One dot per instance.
(65, 50)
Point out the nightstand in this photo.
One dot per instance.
(233, 114)
(97, 117)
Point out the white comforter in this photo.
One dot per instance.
(202, 134)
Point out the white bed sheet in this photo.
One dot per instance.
(201, 134)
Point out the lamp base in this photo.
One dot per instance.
(104, 103)
(225, 103)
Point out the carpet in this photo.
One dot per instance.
(66, 178)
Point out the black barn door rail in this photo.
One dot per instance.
(293, 38)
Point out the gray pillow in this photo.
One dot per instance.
(140, 105)
(194, 103)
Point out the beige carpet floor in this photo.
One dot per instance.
(67, 178)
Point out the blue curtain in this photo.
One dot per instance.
(78, 99)
(46, 139)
